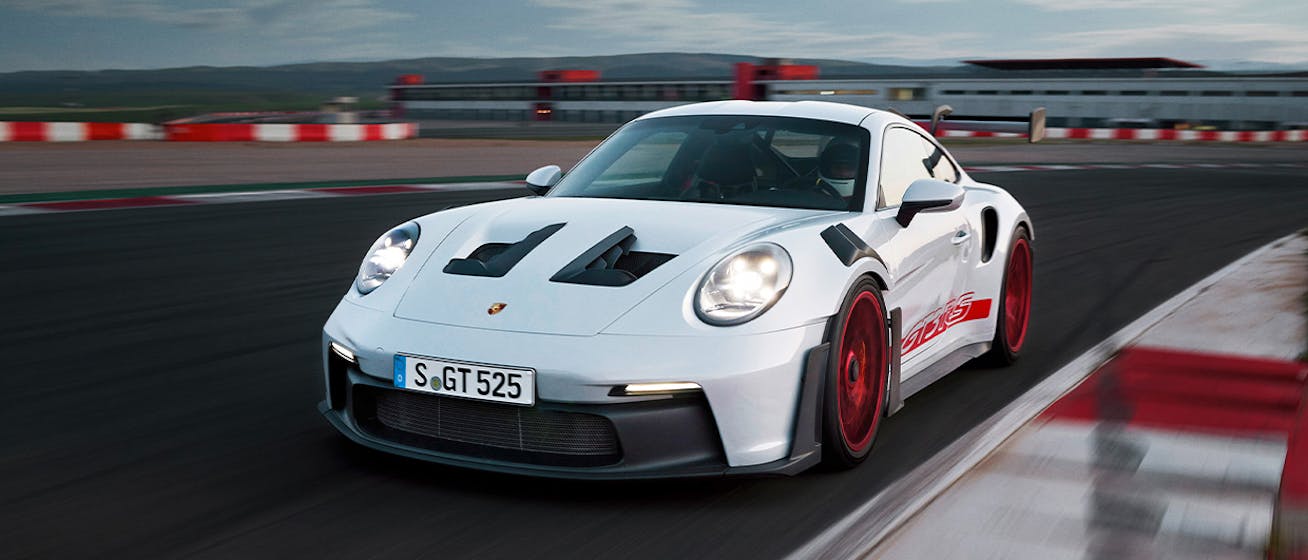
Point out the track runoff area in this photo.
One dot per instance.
(195, 433)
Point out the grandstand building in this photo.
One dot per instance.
(1120, 92)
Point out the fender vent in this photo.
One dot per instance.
(611, 262)
(989, 233)
(497, 259)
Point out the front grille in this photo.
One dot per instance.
(499, 431)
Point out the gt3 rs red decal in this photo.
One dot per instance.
(955, 311)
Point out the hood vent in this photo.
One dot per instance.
(497, 259)
(611, 262)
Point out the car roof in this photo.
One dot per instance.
(821, 110)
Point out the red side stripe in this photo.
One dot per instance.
(942, 321)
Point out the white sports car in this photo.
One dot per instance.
(729, 287)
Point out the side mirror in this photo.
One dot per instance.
(928, 195)
(542, 180)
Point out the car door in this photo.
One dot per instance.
(925, 254)
(944, 168)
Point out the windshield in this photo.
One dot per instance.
(726, 159)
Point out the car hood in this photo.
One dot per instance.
(687, 234)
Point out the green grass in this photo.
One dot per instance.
(250, 187)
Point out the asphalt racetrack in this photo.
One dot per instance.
(162, 372)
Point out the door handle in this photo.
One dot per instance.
(960, 237)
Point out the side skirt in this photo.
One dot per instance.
(943, 367)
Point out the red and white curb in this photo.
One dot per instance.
(1147, 134)
(1161, 452)
(239, 197)
(76, 131)
(237, 132)
(242, 132)
(205, 132)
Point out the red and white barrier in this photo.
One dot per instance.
(236, 132)
(1147, 134)
(1191, 442)
(210, 132)
(75, 131)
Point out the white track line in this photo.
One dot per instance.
(860, 531)
(18, 210)
(250, 196)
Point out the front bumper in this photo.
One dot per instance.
(665, 438)
(757, 414)
(751, 382)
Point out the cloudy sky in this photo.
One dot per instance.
(97, 34)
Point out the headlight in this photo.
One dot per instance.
(386, 256)
(744, 285)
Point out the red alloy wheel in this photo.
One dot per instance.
(863, 362)
(1017, 296)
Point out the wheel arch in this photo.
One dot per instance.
(877, 278)
(1024, 221)
(894, 317)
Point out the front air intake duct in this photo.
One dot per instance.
(611, 262)
(497, 259)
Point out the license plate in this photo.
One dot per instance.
(461, 379)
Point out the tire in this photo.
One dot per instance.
(853, 401)
(1014, 319)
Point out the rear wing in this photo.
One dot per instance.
(1033, 128)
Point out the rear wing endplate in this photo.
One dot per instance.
(1033, 128)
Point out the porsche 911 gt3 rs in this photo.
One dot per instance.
(719, 288)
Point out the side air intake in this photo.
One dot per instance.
(497, 259)
(611, 262)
